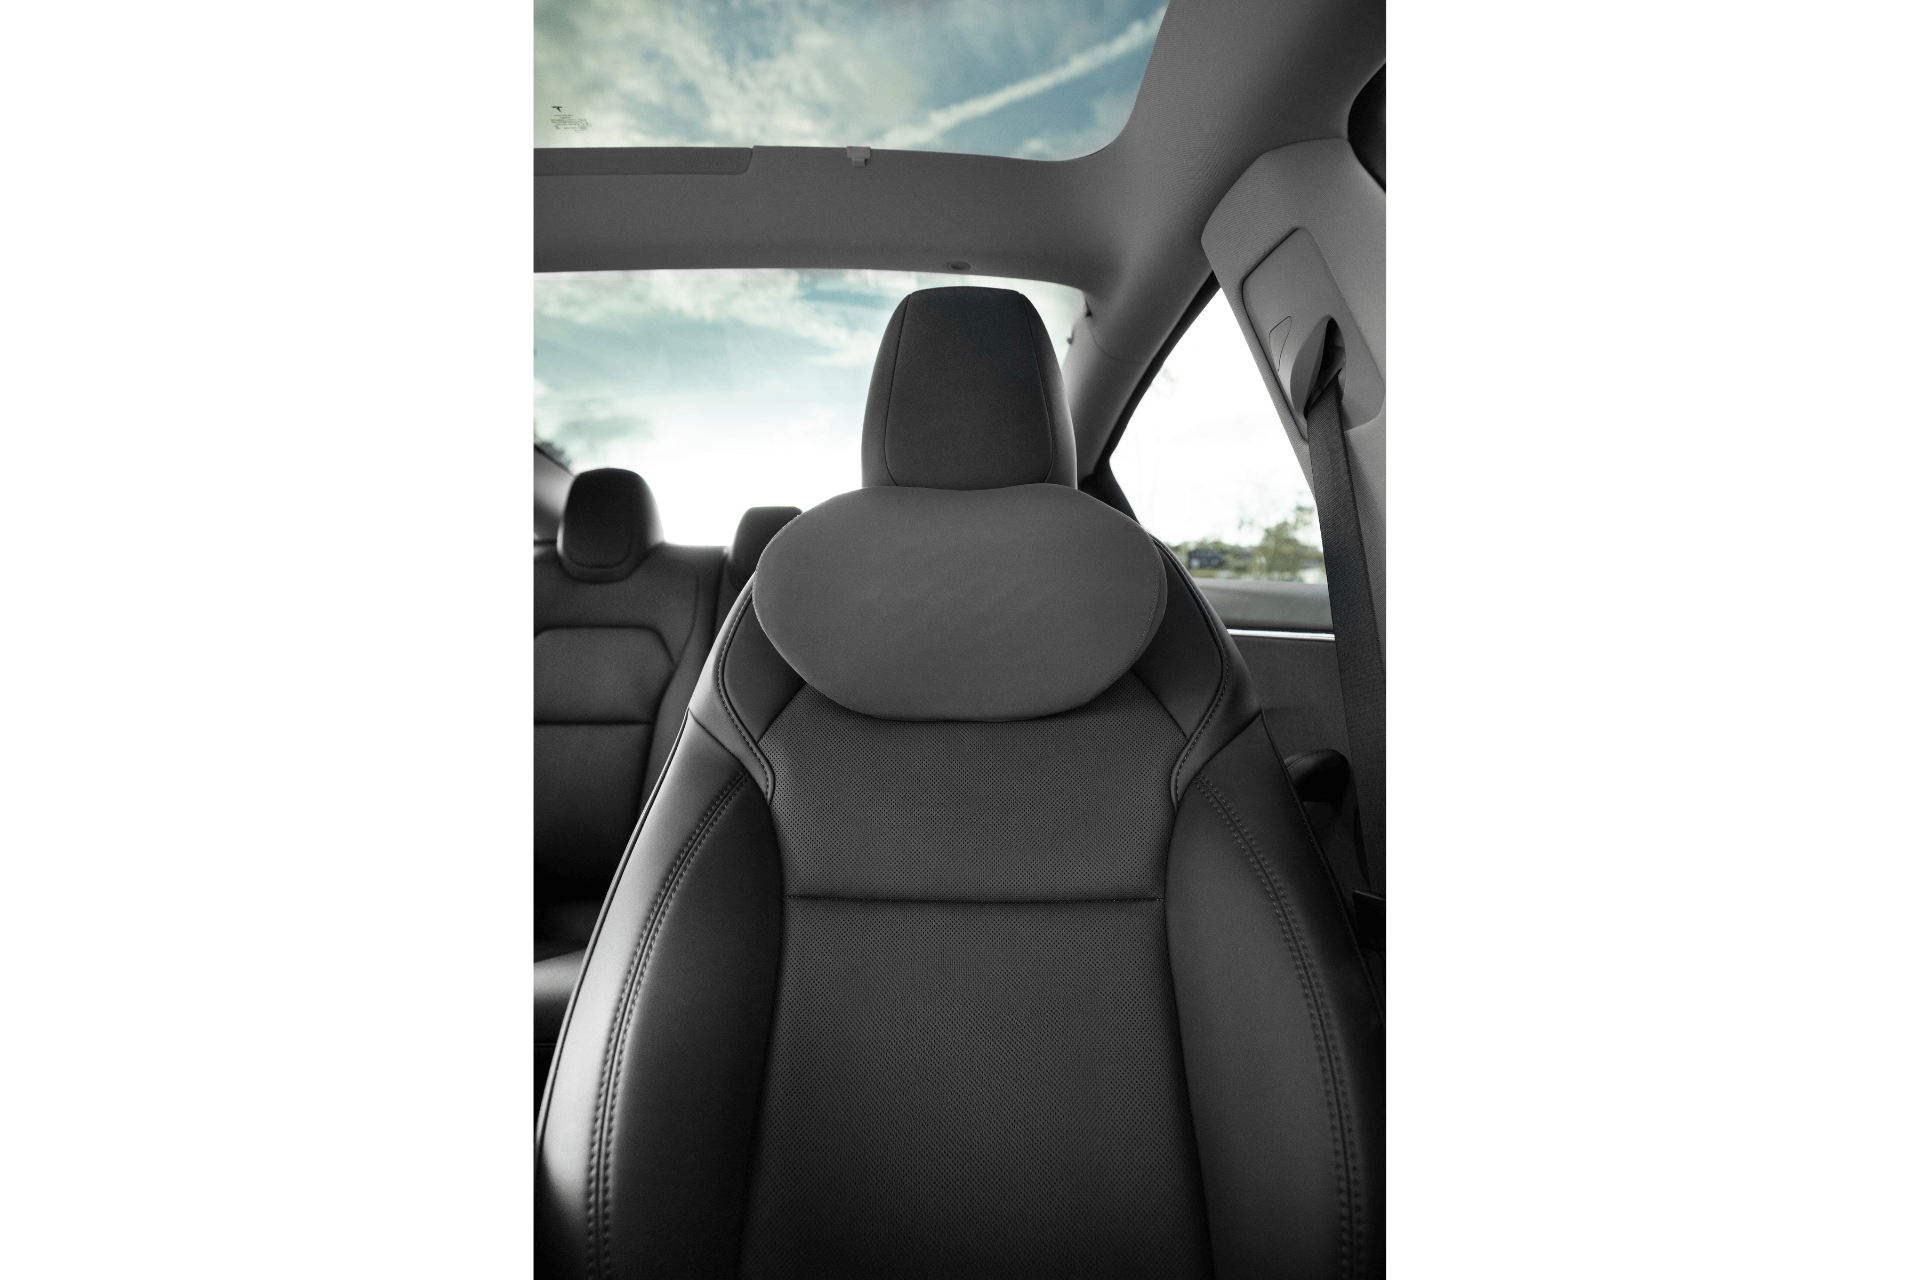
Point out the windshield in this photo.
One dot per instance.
(726, 389)
(988, 77)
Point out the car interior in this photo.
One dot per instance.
(947, 862)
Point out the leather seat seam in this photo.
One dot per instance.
(893, 386)
(620, 871)
(701, 610)
(971, 902)
(1352, 1213)
(1219, 693)
(726, 700)
(647, 627)
(1046, 405)
(1156, 610)
(606, 1093)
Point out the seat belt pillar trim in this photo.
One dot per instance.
(1358, 650)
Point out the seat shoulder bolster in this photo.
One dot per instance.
(703, 780)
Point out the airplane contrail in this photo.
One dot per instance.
(1141, 32)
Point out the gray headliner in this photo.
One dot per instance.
(1228, 80)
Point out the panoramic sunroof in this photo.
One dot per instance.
(1039, 79)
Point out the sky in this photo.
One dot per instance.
(728, 389)
(989, 77)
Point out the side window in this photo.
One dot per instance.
(1206, 463)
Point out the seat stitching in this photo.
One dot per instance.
(606, 1094)
(1147, 629)
(726, 699)
(649, 628)
(693, 616)
(1332, 1080)
(893, 386)
(1219, 693)
(1046, 406)
(1329, 1046)
(970, 902)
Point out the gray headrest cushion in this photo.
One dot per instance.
(609, 525)
(937, 604)
(966, 394)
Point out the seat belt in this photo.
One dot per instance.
(1356, 631)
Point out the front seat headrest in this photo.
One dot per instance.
(966, 394)
(609, 525)
(929, 604)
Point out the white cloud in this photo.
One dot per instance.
(778, 423)
(802, 72)
(774, 299)
(766, 299)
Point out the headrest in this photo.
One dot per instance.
(966, 394)
(751, 536)
(936, 604)
(609, 525)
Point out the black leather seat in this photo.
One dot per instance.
(622, 621)
(606, 706)
(974, 929)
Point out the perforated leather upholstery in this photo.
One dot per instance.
(1067, 995)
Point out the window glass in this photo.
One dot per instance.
(1206, 463)
(725, 389)
(989, 77)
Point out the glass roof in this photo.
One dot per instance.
(1040, 79)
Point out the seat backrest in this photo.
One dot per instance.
(974, 928)
(622, 621)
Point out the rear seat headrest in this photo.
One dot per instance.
(751, 536)
(966, 394)
(609, 525)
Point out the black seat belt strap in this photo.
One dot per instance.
(1356, 627)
